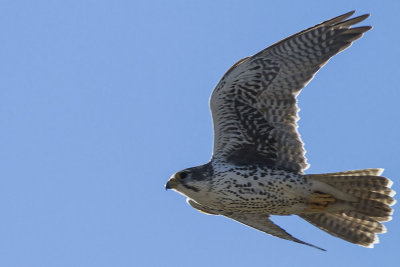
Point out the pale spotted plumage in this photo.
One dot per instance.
(258, 158)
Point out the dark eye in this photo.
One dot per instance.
(183, 175)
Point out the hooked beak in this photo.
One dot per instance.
(171, 184)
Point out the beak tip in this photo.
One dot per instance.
(171, 184)
(167, 186)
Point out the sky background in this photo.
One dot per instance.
(102, 101)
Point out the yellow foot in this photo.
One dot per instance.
(319, 202)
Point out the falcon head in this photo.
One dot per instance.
(192, 180)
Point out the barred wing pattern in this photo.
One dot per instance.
(254, 105)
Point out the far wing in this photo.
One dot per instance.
(201, 208)
(262, 223)
(254, 105)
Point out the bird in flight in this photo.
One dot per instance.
(258, 162)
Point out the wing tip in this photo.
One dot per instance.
(344, 19)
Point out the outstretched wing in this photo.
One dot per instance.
(254, 105)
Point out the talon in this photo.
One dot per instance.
(319, 202)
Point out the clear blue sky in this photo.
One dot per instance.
(101, 101)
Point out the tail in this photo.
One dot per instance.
(362, 202)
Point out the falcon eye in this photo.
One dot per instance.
(183, 175)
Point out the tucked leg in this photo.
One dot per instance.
(319, 202)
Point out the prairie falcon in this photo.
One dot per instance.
(258, 160)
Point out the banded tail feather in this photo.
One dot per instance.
(359, 220)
